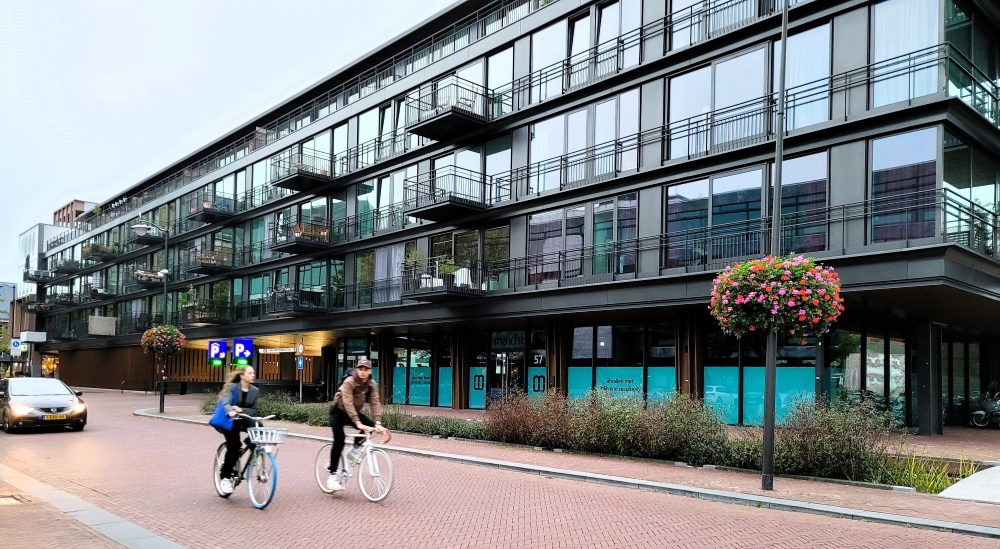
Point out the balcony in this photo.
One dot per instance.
(451, 108)
(372, 222)
(285, 301)
(151, 237)
(97, 292)
(297, 235)
(67, 266)
(439, 280)
(301, 171)
(208, 262)
(144, 280)
(208, 206)
(37, 307)
(370, 153)
(100, 253)
(451, 192)
(61, 329)
(205, 313)
(137, 323)
(61, 301)
(38, 275)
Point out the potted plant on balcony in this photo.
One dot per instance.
(412, 267)
(447, 268)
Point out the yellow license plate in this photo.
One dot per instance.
(54, 417)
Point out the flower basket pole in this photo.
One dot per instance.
(163, 340)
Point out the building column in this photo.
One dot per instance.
(929, 417)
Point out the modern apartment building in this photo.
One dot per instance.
(537, 194)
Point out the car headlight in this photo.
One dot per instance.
(20, 410)
(78, 407)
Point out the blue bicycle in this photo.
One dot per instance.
(257, 466)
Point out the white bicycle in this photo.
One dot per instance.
(375, 472)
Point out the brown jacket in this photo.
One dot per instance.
(351, 398)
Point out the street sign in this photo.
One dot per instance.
(300, 361)
(217, 352)
(15, 347)
(242, 352)
(273, 350)
(300, 349)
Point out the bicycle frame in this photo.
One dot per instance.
(366, 447)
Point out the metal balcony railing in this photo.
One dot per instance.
(100, 252)
(204, 312)
(288, 165)
(137, 323)
(290, 299)
(438, 277)
(372, 222)
(452, 183)
(38, 275)
(66, 266)
(208, 205)
(372, 152)
(258, 196)
(197, 259)
(449, 107)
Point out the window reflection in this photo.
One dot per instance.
(903, 180)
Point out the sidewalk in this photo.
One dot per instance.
(923, 506)
(29, 522)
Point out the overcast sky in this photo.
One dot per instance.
(96, 95)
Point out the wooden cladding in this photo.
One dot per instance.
(192, 365)
(281, 366)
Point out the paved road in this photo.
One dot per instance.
(156, 474)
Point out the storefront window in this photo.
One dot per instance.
(661, 376)
(875, 370)
(897, 380)
(444, 367)
(842, 376)
(581, 369)
(722, 375)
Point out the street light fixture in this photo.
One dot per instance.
(141, 229)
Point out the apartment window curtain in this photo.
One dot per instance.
(806, 72)
(904, 28)
(388, 270)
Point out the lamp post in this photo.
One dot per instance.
(141, 229)
(770, 370)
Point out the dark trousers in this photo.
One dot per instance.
(338, 420)
(233, 446)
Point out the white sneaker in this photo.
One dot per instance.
(333, 484)
(226, 485)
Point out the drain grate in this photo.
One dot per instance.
(9, 500)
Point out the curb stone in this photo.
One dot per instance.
(673, 489)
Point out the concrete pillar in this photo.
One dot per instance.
(929, 417)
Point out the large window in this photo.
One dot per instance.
(719, 104)
(715, 218)
(971, 178)
(548, 47)
(553, 237)
(803, 203)
(899, 28)
(807, 68)
(615, 232)
(904, 172)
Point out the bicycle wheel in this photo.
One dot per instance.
(220, 455)
(323, 468)
(375, 475)
(262, 478)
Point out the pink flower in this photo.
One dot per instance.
(791, 303)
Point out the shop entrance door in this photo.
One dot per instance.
(506, 372)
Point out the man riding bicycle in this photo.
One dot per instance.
(356, 389)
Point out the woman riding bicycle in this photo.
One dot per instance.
(357, 389)
(246, 403)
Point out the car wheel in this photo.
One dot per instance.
(5, 423)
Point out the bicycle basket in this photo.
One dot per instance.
(267, 435)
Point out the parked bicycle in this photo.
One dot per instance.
(257, 466)
(374, 468)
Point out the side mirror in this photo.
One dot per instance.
(78, 393)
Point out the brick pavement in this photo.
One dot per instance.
(34, 524)
(155, 473)
(869, 499)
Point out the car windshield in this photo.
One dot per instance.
(37, 387)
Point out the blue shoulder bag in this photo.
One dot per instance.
(220, 420)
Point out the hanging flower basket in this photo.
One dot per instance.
(791, 295)
(162, 340)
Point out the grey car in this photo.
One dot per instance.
(40, 402)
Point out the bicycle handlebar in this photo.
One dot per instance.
(368, 434)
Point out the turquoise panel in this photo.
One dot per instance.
(793, 385)
(722, 384)
(581, 379)
(477, 387)
(375, 374)
(444, 387)
(536, 381)
(399, 385)
(753, 395)
(420, 386)
(661, 382)
(625, 382)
